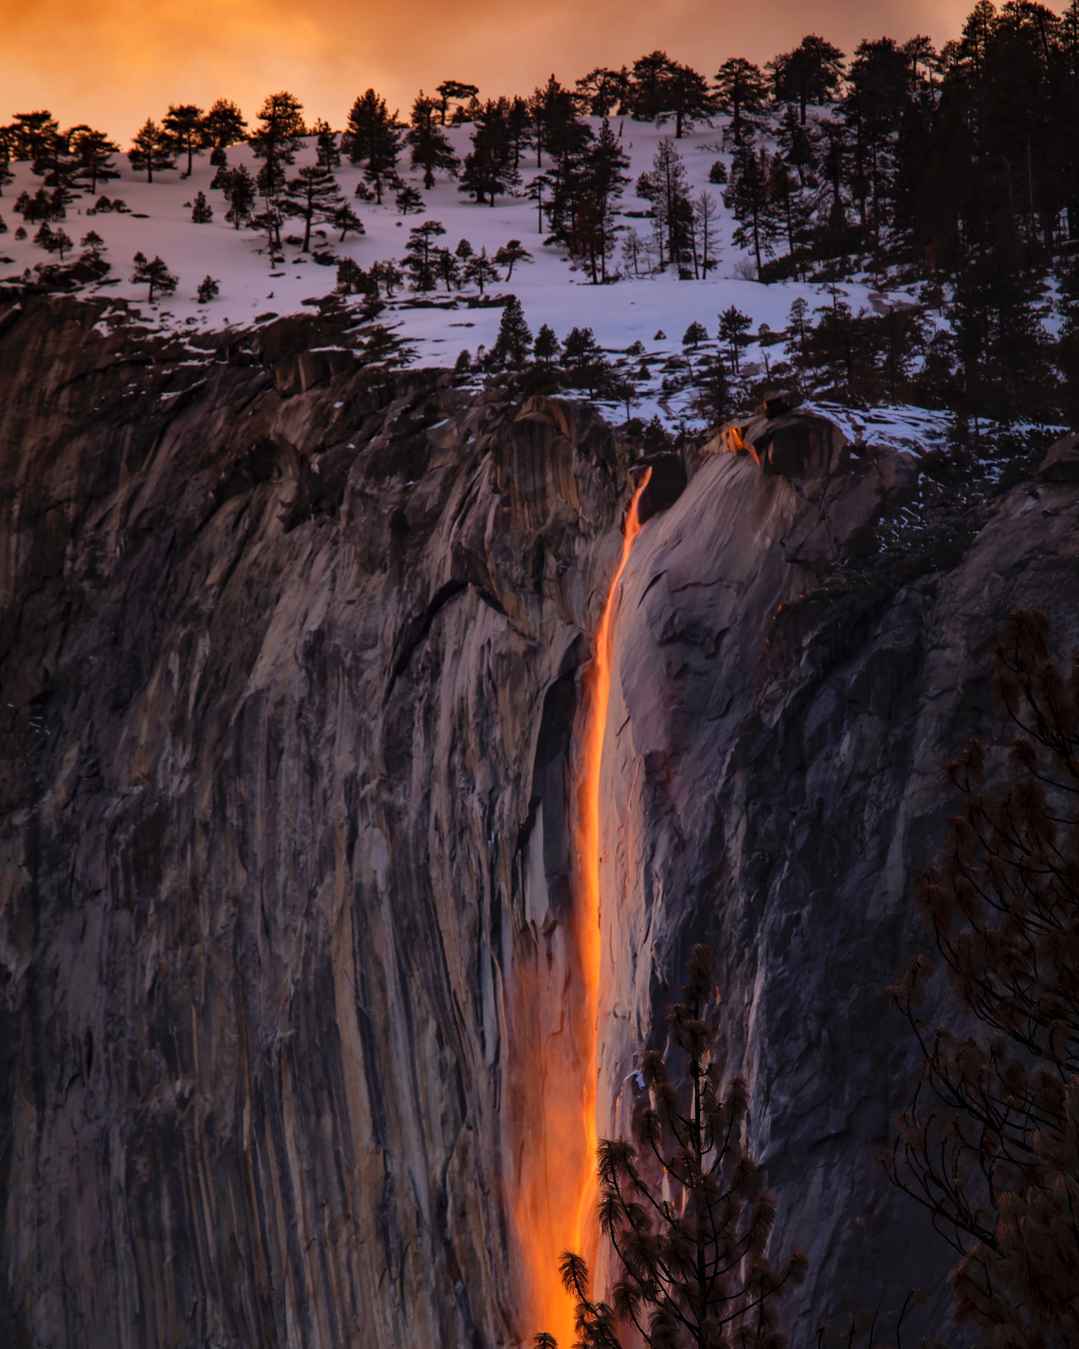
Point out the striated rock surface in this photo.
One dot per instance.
(289, 663)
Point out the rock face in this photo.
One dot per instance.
(290, 668)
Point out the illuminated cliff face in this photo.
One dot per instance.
(553, 1210)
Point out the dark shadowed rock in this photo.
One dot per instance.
(665, 486)
(1061, 462)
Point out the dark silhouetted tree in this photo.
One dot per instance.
(312, 195)
(733, 329)
(224, 124)
(809, 74)
(151, 150)
(327, 151)
(239, 191)
(514, 340)
(154, 274)
(990, 1144)
(510, 254)
(408, 201)
(480, 271)
(184, 126)
(201, 211)
(93, 153)
(347, 221)
(452, 91)
(420, 251)
(430, 149)
(741, 88)
(685, 1208)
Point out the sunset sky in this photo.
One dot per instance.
(114, 62)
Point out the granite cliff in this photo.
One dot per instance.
(290, 665)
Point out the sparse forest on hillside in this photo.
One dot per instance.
(895, 225)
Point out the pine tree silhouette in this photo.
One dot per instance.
(685, 1208)
(990, 1143)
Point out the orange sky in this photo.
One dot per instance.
(114, 62)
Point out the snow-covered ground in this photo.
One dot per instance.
(551, 290)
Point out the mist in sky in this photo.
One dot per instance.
(114, 62)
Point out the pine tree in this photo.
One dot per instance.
(585, 365)
(518, 129)
(388, 275)
(419, 260)
(672, 206)
(351, 278)
(691, 1245)
(60, 165)
(741, 88)
(514, 339)
(239, 190)
(479, 270)
(373, 138)
(705, 234)
(694, 335)
(510, 254)
(712, 394)
(809, 74)
(275, 141)
(32, 135)
(786, 202)
(600, 183)
(990, 1144)
(327, 152)
(384, 149)
(556, 126)
(201, 212)
(53, 241)
(209, 289)
(796, 145)
(488, 167)
(224, 124)
(154, 274)
(454, 90)
(431, 151)
(184, 126)
(408, 201)
(347, 221)
(603, 90)
(7, 153)
(151, 149)
(93, 153)
(448, 268)
(311, 195)
(750, 203)
(733, 327)
(688, 99)
(92, 259)
(547, 348)
(649, 86)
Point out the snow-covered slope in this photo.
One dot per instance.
(655, 311)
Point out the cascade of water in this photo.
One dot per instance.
(555, 1207)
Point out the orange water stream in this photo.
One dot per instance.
(555, 1208)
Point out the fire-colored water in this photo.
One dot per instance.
(554, 1208)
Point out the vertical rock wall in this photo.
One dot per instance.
(289, 661)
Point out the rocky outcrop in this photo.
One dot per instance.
(290, 674)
